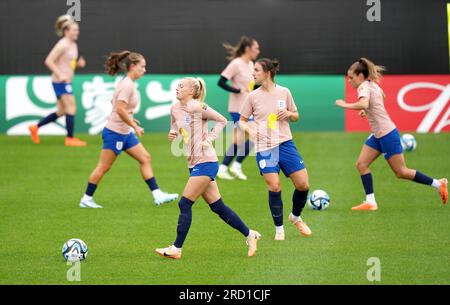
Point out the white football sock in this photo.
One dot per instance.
(436, 184)
(157, 193)
(370, 198)
(86, 198)
(237, 165)
(279, 229)
(223, 168)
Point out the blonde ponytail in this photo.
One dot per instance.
(199, 88)
(62, 23)
(201, 91)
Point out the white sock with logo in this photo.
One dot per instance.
(370, 198)
(436, 184)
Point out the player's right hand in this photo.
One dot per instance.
(139, 131)
(362, 113)
(173, 134)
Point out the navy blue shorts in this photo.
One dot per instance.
(284, 157)
(209, 169)
(62, 88)
(118, 142)
(388, 145)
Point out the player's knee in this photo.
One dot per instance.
(361, 166)
(146, 159)
(302, 186)
(274, 186)
(402, 173)
(103, 168)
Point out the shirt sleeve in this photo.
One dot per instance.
(173, 124)
(125, 94)
(230, 71)
(290, 103)
(247, 107)
(211, 115)
(363, 91)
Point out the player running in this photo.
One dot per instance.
(363, 75)
(272, 106)
(62, 61)
(117, 135)
(239, 71)
(189, 118)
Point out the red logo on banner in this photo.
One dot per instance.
(418, 103)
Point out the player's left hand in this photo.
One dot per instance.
(283, 115)
(340, 103)
(81, 63)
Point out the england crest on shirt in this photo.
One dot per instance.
(187, 120)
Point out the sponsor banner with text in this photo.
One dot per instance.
(26, 99)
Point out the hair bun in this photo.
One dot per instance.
(276, 64)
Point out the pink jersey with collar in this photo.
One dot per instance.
(190, 121)
(67, 61)
(240, 74)
(264, 106)
(379, 120)
(125, 91)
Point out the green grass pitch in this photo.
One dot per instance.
(40, 188)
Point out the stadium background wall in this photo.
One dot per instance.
(308, 37)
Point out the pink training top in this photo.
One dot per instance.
(379, 120)
(264, 107)
(125, 91)
(240, 74)
(67, 61)
(191, 122)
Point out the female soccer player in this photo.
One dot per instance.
(363, 75)
(62, 61)
(117, 134)
(189, 118)
(239, 72)
(272, 106)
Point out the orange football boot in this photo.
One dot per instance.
(34, 133)
(74, 142)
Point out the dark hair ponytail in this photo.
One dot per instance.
(239, 49)
(368, 69)
(121, 61)
(271, 65)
